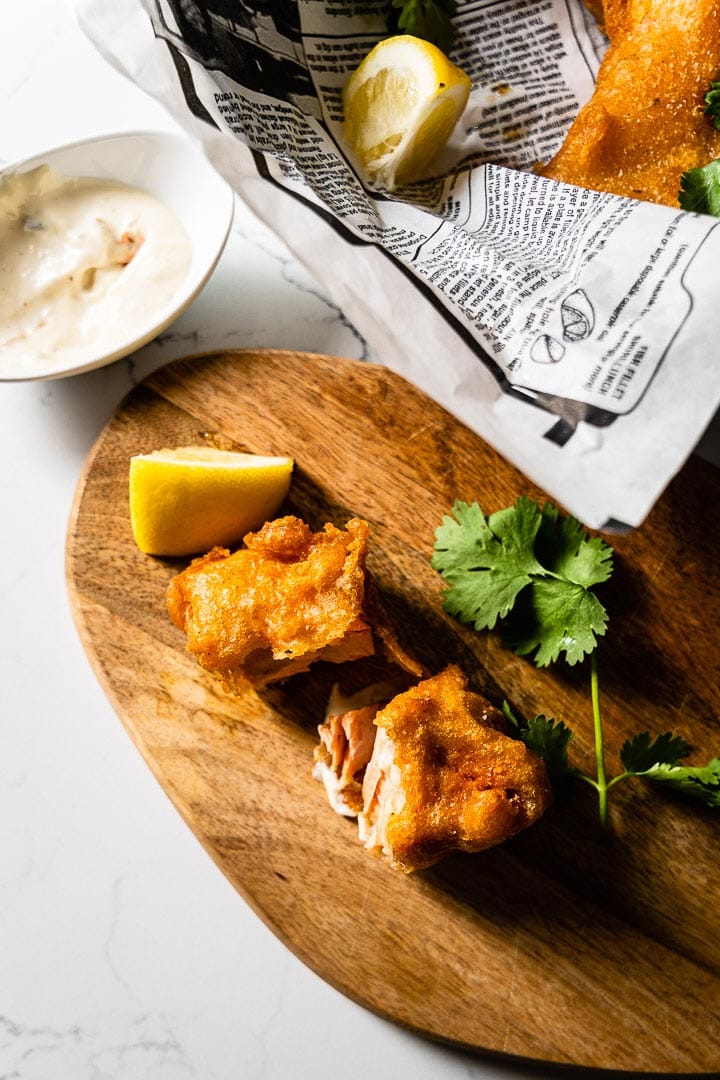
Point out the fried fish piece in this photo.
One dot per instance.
(442, 774)
(645, 125)
(288, 598)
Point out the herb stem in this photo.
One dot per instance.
(586, 779)
(602, 784)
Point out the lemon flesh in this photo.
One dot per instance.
(187, 500)
(400, 108)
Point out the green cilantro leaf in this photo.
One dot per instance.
(564, 548)
(699, 782)
(459, 538)
(547, 738)
(486, 562)
(643, 751)
(656, 759)
(700, 189)
(531, 563)
(556, 616)
(712, 103)
(427, 19)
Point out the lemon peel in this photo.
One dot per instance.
(189, 499)
(400, 108)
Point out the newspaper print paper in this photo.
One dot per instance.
(573, 330)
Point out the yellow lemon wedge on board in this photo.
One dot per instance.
(186, 500)
(400, 107)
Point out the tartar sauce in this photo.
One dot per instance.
(85, 266)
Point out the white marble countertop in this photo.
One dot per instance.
(124, 951)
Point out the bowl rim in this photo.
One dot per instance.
(181, 300)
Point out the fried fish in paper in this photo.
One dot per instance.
(645, 125)
(289, 597)
(442, 774)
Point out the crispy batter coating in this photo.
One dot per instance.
(444, 776)
(645, 124)
(431, 772)
(288, 598)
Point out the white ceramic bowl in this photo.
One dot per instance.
(176, 172)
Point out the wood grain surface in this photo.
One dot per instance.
(564, 945)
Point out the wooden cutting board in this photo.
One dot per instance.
(563, 945)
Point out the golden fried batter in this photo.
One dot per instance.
(440, 775)
(443, 775)
(288, 598)
(645, 124)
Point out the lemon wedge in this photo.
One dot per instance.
(189, 499)
(401, 106)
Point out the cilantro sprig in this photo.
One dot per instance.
(658, 760)
(427, 19)
(534, 569)
(530, 564)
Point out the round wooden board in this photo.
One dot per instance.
(564, 945)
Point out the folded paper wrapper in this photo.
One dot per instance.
(573, 330)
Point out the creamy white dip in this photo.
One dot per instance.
(86, 265)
